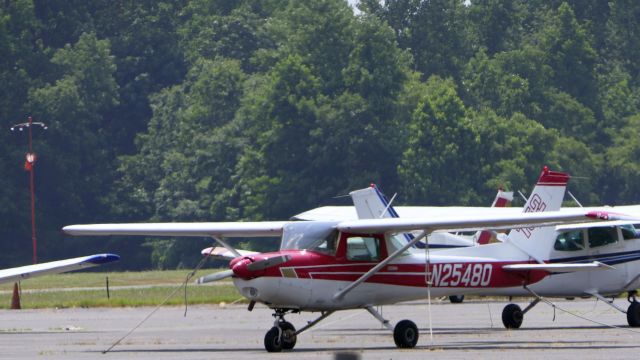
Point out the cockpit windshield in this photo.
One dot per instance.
(311, 235)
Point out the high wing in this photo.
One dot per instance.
(275, 228)
(222, 229)
(55, 267)
(338, 213)
(479, 222)
(595, 224)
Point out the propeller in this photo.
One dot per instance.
(214, 277)
(267, 263)
(243, 267)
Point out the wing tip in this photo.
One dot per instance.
(100, 259)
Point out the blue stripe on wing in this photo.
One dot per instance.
(102, 259)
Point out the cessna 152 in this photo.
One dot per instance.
(327, 266)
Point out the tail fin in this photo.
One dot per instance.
(370, 203)
(503, 199)
(547, 195)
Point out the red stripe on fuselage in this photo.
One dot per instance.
(313, 265)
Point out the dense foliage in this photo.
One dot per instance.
(258, 109)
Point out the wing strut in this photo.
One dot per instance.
(227, 246)
(340, 294)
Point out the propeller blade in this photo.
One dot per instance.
(273, 261)
(214, 277)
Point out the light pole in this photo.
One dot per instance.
(29, 164)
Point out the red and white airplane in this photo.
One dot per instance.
(55, 267)
(327, 266)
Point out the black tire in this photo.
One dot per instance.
(456, 299)
(633, 314)
(288, 335)
(405, 334)
(272, 341)
(512, 316)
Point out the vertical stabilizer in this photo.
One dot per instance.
(370, 203)
(503, 199)
(547, 195)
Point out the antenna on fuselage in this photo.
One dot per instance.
(574, 198)
(522, 196)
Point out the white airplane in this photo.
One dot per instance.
(55, 267)
(358, 264)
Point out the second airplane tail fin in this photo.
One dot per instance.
(503, 199)
(370, 203)
(547, 195)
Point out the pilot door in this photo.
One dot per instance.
(606, 246)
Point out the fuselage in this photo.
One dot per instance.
(311, 278)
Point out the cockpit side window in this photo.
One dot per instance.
(601, 236)
(628, 232)
(363, 248)
(329, 244)
(569, 241)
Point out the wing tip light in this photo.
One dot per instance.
(100, 259)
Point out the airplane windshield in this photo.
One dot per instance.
(312, 235)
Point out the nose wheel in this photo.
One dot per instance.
(280, 337)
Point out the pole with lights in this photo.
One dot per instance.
(29, 165)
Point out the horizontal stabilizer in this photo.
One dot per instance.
(560, 267)
(219, 252)
(214, 277)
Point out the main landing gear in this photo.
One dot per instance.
(512, 315)
(405, 333)
(283, 335)
(633, 311)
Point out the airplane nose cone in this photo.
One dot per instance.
(240, 269)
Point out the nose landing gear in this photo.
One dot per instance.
(282, 336)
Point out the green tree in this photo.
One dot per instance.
(273, 182)
(442, 146)
(569, 53)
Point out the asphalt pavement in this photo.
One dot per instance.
(469, 330)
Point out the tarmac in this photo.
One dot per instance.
(460, 331)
